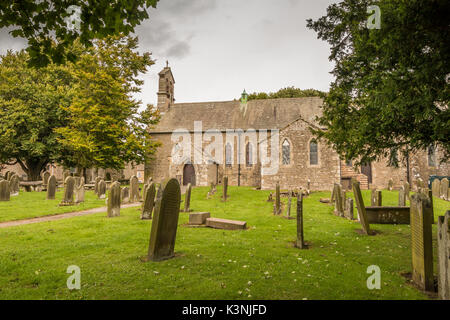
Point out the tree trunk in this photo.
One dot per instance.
(33, 168)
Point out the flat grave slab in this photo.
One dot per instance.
(388, 215)
(226, 224)
(198, 218)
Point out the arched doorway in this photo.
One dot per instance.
(188, 175)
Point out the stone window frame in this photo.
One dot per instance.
(249, 161)
(318, 164)
(229, 165)
(291, 158)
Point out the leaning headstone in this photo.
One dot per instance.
(349, 209)
(444, 189)
(5, 194)
(68, 192)
(277, 204)
(165, 221)
(422, 242)
(376, 198)
(361, 208)
(443, 238)
(14, 185)
(125, 195)
(149, 202)
(51, 188)
(436, 188)
(300, 243)
(225, 189)
(134, 190)
(114, 200)
(402, 197)
(187, 199)
(101, 192)
(390, 184)
(45, 177)
(79, 191)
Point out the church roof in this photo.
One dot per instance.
(256, 114)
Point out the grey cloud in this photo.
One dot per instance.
(178, 50)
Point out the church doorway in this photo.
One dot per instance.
(366, 169)
(188, 175)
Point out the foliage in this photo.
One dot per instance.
(288, 92)
(30, 108)
(43, 23)
(390, 90)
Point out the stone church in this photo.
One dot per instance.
(250, 132)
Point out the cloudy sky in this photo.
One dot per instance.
(218, 48)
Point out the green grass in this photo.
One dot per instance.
(34, 204)
(258, 263)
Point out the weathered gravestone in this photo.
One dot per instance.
(402, 197)
(443, 238)
(407, 189)
(436, 188)
(114, 200)
(361, 208)
(165, 221)
(277, 204)
(225, 224)
(125, 195)
(45, 176)
(79, 191)
(14, 185)
(65, 175)
(333, 193)
(349, 209)
(299, 242)
(51, 188)
(68, 191)
(5, 194)
(198, 218)
(422, 242)
(444, 189)
(390, 184)
(149, 202)
(376, 198)
(289, 204)
(225, 189)
(420, 184)
(134, 190)
(187, 199)
(97, 181)
(338, 197)
(101, 192)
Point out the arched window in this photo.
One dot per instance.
(286, 152)
(228, 155)
(431, 156)
(313, 153)
(249, 154)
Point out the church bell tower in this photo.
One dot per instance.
(166, 89)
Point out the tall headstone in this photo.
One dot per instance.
(5, 194)
(376, 198)
(339, 205)
(443, 238)
(51, 188)
(225, 189)
(288, 209)
(402, 197)
(165, 221)
(300, 242)
(436, 187)
(333, 193)
(422, 242)
(97, 181)
(390, 185)
(187, 199)
(79, 191)
(149, 202)
(14, 185)
(125, 195)
(277, 204)
(361, 207)
(114, 200)
(134, 190)
(349, 209)
(101, 192)
(407, 190)
(45, 176)
(444, 189)
(68, 192)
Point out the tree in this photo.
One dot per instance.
(288, 92)
(391, 89)
(45, 22)
(30, 109)
(105, 129)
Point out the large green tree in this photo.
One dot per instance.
(47, 21)
(391, 89)
(30, 110)
(105, 128)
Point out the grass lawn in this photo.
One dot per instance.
(34, 204)
(258, 263)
